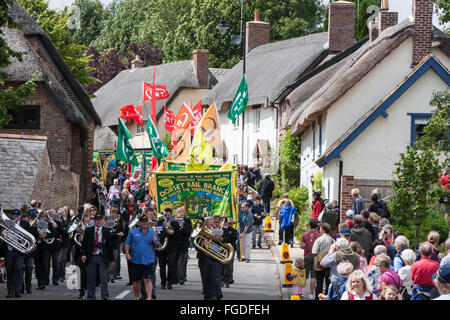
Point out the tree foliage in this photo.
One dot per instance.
(92, 14)
(290, 152)
(180, 26)
(106, 65)
(416, 189)
(10, 97)
(54, 23)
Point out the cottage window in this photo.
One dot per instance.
(25, 117)
(314, 140)
(418, 123)
(139, 129)
(320, 135)
(257, 119)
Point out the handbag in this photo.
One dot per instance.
(317, 260)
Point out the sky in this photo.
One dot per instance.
(403, 7)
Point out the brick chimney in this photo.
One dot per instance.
(387, 19)
(258, 33)
(423, 30)
(341, 25)
(137, 62)
(201, 66)
(384, 20)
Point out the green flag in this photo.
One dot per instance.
(124, 150)
(240, 101)
(159, 149)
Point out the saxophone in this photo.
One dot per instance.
(16, 236)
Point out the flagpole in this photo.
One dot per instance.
(243, 54)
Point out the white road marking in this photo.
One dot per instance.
(123, 294)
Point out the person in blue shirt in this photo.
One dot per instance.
(287, 215)
(140, 251)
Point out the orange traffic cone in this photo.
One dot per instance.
(268, 224)
(285, 258)
(287, 281)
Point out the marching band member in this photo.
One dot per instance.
(183, 245)
(57, 252)
(229, 236)
(116, 235)
(167, 258)
(210, 270)
(14, 262)
(96, 252)
(140, 251)
(29, 258)
(45, 246)
(78, 261)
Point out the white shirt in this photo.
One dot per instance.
(345, 296)
(443, 297)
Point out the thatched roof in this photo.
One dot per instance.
(270, 68)
(31, 29)
(318, 93)
(20, 160)
(127, 87)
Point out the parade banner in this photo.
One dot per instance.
(106, 159)
(201, 194)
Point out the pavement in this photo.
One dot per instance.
(257, 280)
(271, 239)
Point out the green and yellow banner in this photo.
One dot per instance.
(202, 194)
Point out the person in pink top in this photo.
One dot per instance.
(388, 276)
(306, 244)
(134, 182)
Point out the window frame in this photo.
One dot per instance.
(414, 117)
(21, 125)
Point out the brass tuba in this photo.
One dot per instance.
(16, 236)
(209, 245)
(166, 226)
(135, 218)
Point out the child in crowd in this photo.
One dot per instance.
(298, 278)
(356, 247)
(389, 293)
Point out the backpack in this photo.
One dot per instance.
(336, 290)
(383, 210)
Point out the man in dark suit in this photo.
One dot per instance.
(14, 262)
(97, 253)
(185, 230)
(45, 246)
(29, 258)
(265, 190)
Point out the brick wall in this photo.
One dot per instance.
(341, 25)
(423, 30)
(257, 33)
(347, 184)
(53, 125)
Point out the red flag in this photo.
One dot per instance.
(183, 120)
(197, 112)
(127, 112)
(173, 141)
(139, 119)
(155, 92)
(169, 119)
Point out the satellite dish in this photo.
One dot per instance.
(236, 40)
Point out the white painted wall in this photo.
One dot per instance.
(373, 153)
(232, 136)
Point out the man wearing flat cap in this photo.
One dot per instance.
(442, 282)
(140, 252)
(97, 254)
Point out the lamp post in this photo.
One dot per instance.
(222, 27)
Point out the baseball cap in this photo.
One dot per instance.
(443, 274)
(143, 218)
(16, 212)
(350, 213)
(98, 216)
